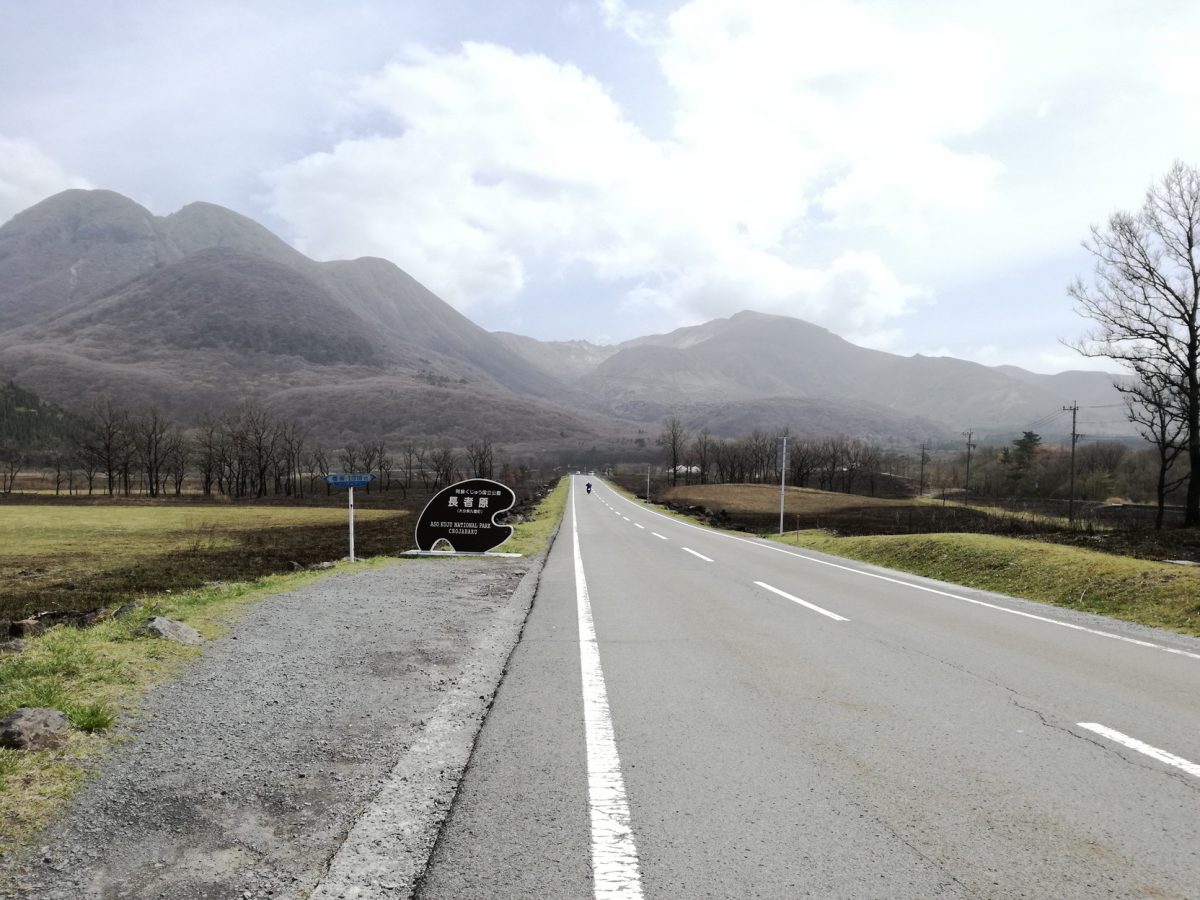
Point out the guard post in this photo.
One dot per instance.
(350, 481)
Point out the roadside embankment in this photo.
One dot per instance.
(1157, 594)
(250, 760)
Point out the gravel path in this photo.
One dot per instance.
(256, 773)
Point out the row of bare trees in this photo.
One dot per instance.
(242, 452)
(832, 463)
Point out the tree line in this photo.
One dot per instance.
(832, 463)
(242, 452)
(1026, 469)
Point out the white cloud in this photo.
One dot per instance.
(497, 164)
(27, 176)
(829, 159)
(634, 24)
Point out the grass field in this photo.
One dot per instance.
(764, 499)
(79, 557)
(755, 507)
(1136, 590)
(99, 675)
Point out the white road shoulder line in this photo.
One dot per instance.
(1134, 744)
(615, 871)
(920, 587)
(694, 553)
(812, 606)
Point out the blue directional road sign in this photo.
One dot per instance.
(349, 481)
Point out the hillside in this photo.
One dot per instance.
(32, 424)
(204, 307)
(754, 367)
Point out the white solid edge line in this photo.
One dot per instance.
(921, 587)
(694, 553)
(615, 872)
(812, 606)
(659, 536)
(1134, 744)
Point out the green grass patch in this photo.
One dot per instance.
(97, 675)
(532, 536)
(1135, 590)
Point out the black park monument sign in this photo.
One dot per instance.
(463, 514)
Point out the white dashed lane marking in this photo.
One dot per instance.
(804, 603)
(1134, 744)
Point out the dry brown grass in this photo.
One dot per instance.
(763, 499)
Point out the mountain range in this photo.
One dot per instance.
(204, 307)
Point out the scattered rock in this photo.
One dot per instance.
(34, 728)
(322, 565)
(124, 610)
(27, 628)
(296, 567)
(15, 645)
(91, 617)
(170, 630)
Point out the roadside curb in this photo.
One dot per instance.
(388, 848)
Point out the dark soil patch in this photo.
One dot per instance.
(257, 553)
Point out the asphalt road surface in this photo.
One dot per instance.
(691, 714)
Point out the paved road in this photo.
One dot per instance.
(773, 723)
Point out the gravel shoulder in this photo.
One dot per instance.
(311, 752)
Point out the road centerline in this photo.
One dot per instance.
(694, 553)
(805, 603)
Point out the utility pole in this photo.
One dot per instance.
(1073, 409)
(924, 459)
(967, 487)
(647, 482)
(782, 483)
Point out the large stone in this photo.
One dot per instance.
(170, 630)
(34, 728)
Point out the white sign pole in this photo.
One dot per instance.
(351, 524)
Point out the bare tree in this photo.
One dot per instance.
(176, 458)
(409, 461)
(12, 460)
(320, 464)
(206, 443)
(442, 459)
(1145, 299)
(149, 433)
(61, 466)
(106, 441)
(702, 452)
(673, 441)
(481, 457)
(1153, 407)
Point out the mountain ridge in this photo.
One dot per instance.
(98, 295)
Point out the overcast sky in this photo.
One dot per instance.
(915, 175)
